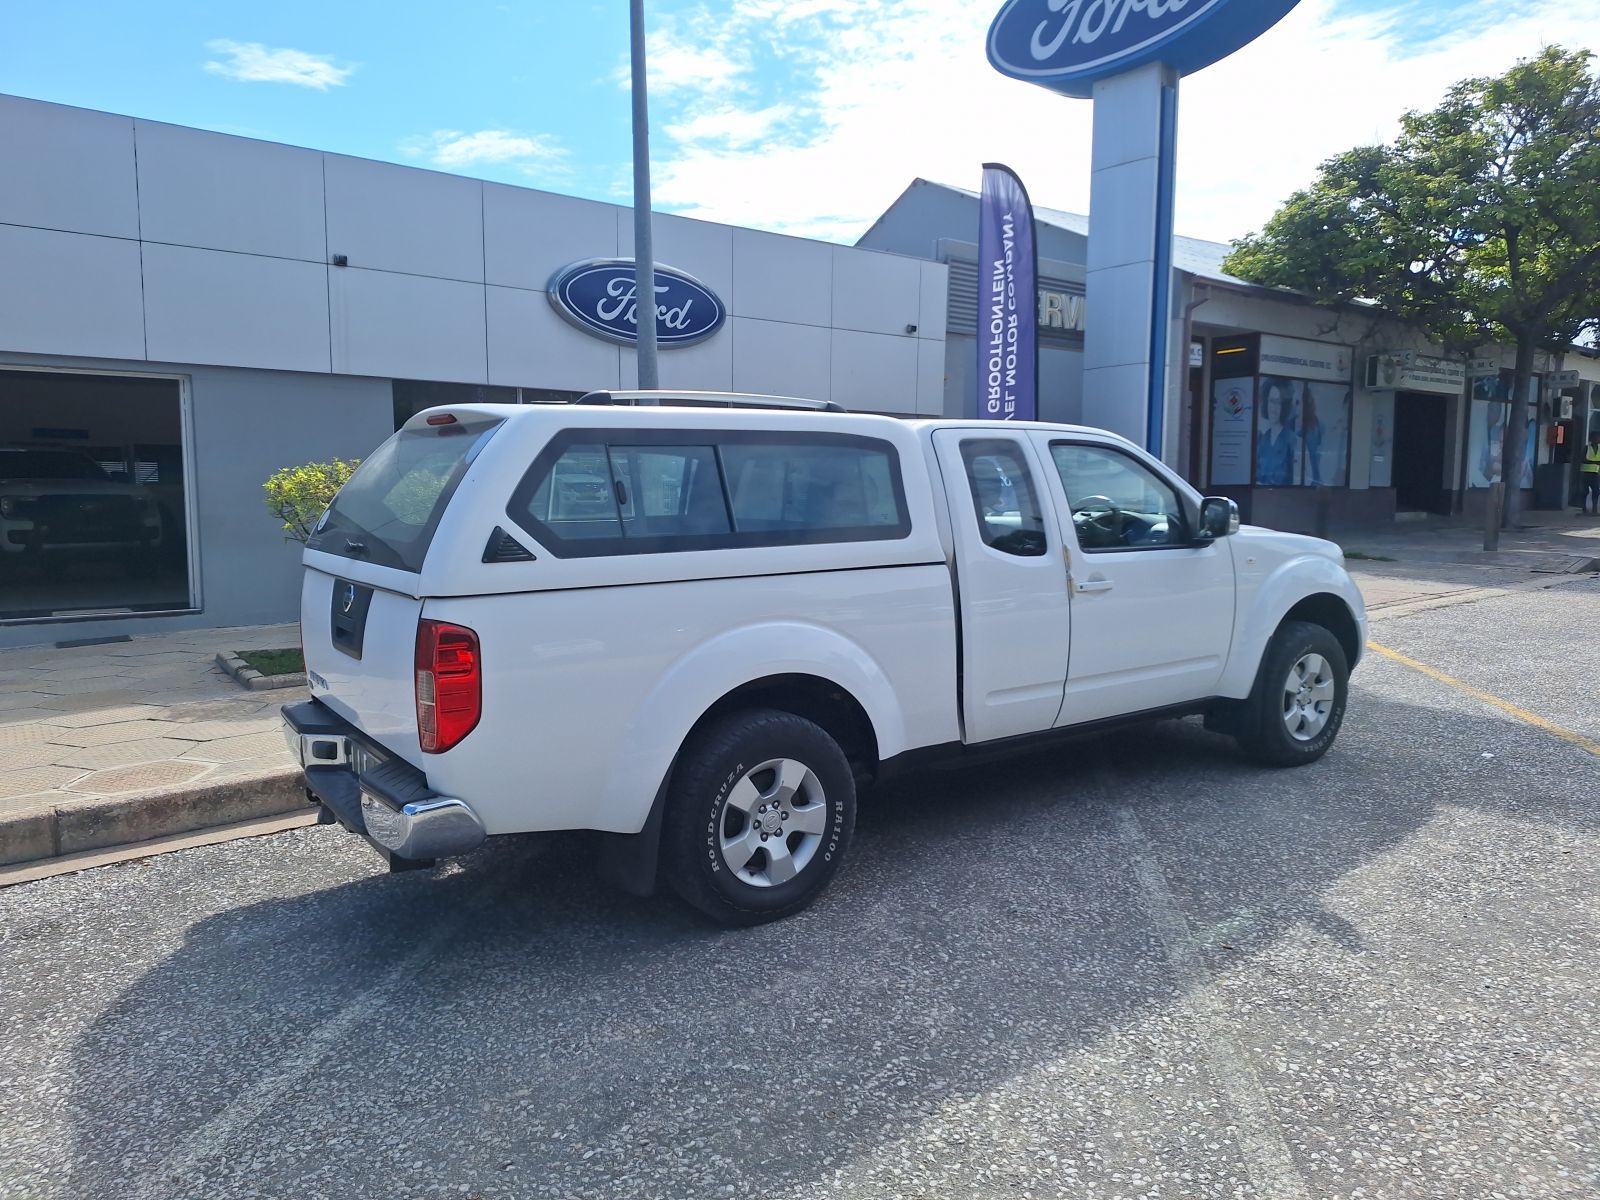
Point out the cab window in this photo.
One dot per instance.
(1117, 502)
(1003, 497)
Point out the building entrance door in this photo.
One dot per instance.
(1419, 438)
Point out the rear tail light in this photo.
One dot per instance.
(449, 684)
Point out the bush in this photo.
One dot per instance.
(297, 496)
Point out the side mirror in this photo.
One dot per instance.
(1219, 517)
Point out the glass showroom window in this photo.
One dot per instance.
(94, 501)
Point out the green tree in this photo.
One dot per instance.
(1479, 224)
(297, 496)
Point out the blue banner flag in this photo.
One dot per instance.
(1008, 300)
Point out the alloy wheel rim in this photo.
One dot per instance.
(772, 822)
(1308, 696)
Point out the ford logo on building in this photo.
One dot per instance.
(1069, 45)
(599, 297)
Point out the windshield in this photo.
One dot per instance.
(389, 510)
(48, 464)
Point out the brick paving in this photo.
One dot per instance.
(134, 717)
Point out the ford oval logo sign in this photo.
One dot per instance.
(599, 297)
(1070, 45)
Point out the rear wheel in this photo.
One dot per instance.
(1298, 703)
(759, 816)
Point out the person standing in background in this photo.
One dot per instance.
(1591, 475)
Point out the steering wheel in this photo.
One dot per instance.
(1098, 520)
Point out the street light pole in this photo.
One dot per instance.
(643, 243)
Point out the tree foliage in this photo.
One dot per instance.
(297, 496)
(1479, 224)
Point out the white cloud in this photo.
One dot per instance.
(455, 150)
(251, 62)
(689, 57)
(894, 89)
(728, 125)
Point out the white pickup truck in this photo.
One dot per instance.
(700, 625)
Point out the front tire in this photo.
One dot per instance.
(759, 816)
(1298, 703)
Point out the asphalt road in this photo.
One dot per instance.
(1137, 967)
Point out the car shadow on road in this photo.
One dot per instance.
(509, 1026)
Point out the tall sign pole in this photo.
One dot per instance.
(644, 258)
(1127, 55)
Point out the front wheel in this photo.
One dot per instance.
(1298, 703)
(759, 817)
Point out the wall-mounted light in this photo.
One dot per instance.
(341, 260)
(911, 328)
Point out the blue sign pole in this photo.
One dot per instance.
(1128, 55)
(1008, 300)
(1161, 305)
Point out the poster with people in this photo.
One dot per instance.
(1486, 427)
(1232, 413)
(1302, 433)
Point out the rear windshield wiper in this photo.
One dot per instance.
(355, 547)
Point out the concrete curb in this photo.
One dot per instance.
(96, 822)
(247, 676)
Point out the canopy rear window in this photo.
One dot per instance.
(602, 492)
(388, 512)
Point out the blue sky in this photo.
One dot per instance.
(801, 115)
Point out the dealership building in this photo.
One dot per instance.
(184, 312)
(192, 311)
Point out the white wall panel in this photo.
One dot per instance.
(875, 293)
(702, 249)
(930, 378)
(875, 372)
(703, 367)
(529, 236)
(391, 218)
(934, 307)
(66, 168)
(407, 326)
(70, 293)
(530, 345)
(781, 359)
(782, 278)
(235, 310)
(229, 193)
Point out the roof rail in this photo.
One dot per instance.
(709, 400)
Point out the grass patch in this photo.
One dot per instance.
(274, 662)
(1363, 556)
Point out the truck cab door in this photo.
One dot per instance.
(1011, 583)
(1152, 607)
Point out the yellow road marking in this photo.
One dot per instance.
(1505, 706)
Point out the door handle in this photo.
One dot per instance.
(1098, 584)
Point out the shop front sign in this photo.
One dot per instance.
(1296, 358)
(1408, 371)
(600, 297)
(1069, 45)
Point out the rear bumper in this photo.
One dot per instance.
(384, 799)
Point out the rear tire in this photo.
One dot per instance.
(758, 818)
(1297, 705)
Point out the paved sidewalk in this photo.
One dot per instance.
(1548, 542)
(103, 745)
